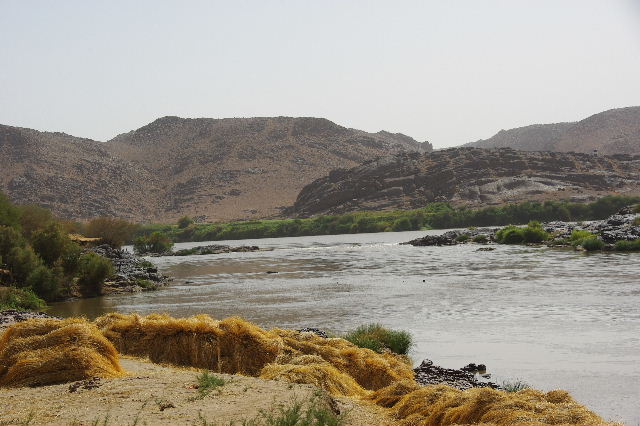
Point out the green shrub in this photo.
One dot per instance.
(514, 386)
(402, 224)
(10, 238)
(184, 222)
(93, 269)
(510, 235)
(115, 232)
(533, 233)
(636, 221)
(480, 238)
(157, 242)
(628, 245)
(21, 261)
(462, 238)
(208, 383)
(70, 258)
(49, 243)
(146, 284)
(22, 299)
(377, 338)
(577, 235)
(592, 244)
(46, 283)
(33, 218)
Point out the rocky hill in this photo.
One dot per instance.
(616, 131)
(468, 176)
(213, 169)
(74, 177)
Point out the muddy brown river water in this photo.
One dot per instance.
(550, 317)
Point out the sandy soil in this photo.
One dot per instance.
(162, 395)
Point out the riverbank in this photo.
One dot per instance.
(353, 377)
(618, 232)
(432, 216)
(156, 394)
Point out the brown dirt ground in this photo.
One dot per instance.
(139, 399)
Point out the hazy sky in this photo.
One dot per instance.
(445, 71)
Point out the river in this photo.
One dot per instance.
(553, 318)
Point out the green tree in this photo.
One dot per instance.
(157, 242)
(115, 232)
(184, 221)
(21, 261)
(46, 283)
(93, 270)
(49, 243)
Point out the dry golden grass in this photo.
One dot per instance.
(237, 346)
(443, 405)
(312, 369)
(46, 351)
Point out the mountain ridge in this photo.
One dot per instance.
(614, 131)
(214, 169)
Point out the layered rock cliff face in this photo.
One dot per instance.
(212, 169)
(616, 131)
(468, 176)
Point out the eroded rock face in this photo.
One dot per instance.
(468, 176)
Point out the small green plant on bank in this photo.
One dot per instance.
(313, 412)
(462, 238)
(146, 285)
(628, 245)
(480, 239)
(592, 244)
(515, 386)
(578, 236)
(378, 338)
(207, 383)
(532, 233)
(157, 242)
(22, 299)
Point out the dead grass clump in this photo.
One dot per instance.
(371, 370)
(312, 369)
(47, 351)
(229, 346)
(443, 405)
(390, 395)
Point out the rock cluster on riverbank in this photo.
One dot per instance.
(12, 316)
(465, 378)
(132, 273)
(211, 249)
(622, 226)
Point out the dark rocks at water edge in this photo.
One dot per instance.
(212, 249)
(12, 316)
(132, 273)
(621, 226)
(465, 378)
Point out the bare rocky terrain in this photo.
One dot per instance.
(616, 131)
(469, 176)
(237, 168)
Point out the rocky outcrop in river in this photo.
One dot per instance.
(622, 226)
(132, 273)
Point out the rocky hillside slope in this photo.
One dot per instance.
(616, 131)
(215, 169)
(73, 176)
(468, 176)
